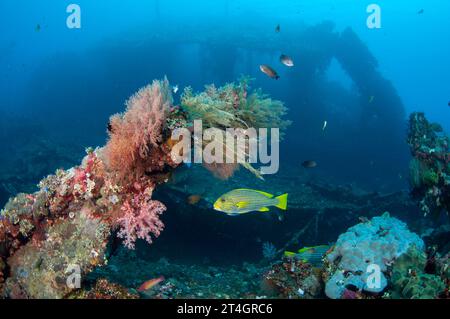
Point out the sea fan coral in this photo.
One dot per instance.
(222, 171)
(134, 133)
(111, 189)
(140, 219)
(233, 106)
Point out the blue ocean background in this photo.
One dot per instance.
(64, 83)
(59, 87)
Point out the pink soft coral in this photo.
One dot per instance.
(140, 219)
(134, 133)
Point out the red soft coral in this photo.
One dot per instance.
(140, 219)
(134, 133)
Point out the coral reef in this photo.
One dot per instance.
(182, 280)
(293, 279)
(68, 221)
(138, 132)
(140, 219)
(233, 106)
(379, 242)
(41, 270)
(38, 155)
(66, 224)
(430, 166)
(318, 210)
(103, 289)
(405, 276)
(409, 279)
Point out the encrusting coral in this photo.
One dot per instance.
(367, 246)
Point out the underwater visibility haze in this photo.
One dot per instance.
(169, 149)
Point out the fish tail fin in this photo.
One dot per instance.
(277, 77)
(282, 201)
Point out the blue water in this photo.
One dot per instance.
(59, 86)
(71, 80)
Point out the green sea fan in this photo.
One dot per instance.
(211, 110)
(234, 106)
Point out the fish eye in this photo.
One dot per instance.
(222, 200)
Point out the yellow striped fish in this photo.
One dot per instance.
(311, 255)
(242, 200)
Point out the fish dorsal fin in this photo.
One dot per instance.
(304, 249)
(264, 209)
(265, 194)
(253, 190)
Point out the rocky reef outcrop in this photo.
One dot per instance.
(367, 249)
(52, 238)
(430, 165)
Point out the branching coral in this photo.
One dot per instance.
(69, 220)
(140, 219)
(233, 106)
(135, 133)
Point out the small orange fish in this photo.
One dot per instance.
(150, 284)
(194, 199)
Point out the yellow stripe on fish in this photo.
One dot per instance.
(311, 255)
(243, 200)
